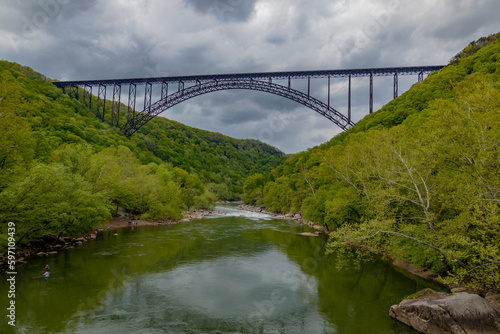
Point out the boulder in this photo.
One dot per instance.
(50, 238)
(434, 312)
(494, 300)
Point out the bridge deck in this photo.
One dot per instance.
(364, 72)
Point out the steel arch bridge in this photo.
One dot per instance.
(213, 86)
(204, 84)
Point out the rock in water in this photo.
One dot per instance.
(434, 312)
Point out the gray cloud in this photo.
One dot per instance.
(224, 10)
(76, 39)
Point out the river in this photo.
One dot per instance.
(242, 272)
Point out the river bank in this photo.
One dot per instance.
(52, 244)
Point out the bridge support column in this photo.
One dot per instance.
(328, 92)
(164, 90)
(101, 101)
(349, 100)
(132, 94)
(396, 85)
(73, 93)
(308, 87)
(421, 77)
(371, 93)
(181, 86)
(87, 94)
(147, 97)
(115, 117)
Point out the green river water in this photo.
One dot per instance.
(239, 273)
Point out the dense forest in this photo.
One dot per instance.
(64, 172)
(417, 181)
(221, 162)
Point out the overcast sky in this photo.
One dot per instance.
(109, 39)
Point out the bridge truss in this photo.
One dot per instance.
(202, 84)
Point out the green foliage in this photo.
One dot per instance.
(219, 160)
(49, 199)
(418, 180)
(253, 187)
(474, 47)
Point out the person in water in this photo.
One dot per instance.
(47, 271)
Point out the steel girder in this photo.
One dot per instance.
(212, 86)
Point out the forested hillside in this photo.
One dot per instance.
(62, 171)
(418, 180)
(221, 162)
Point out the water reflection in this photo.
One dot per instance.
(227, 274)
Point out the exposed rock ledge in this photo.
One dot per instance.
(438, 313)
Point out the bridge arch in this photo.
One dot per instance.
(135, 122)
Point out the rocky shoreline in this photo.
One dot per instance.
(52, 244)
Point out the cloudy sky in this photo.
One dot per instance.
(109, 39)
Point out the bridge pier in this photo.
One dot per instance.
(132, 94)
(396, 85)
(76, 91)
(371, 93)
(115, 117)
(349, 100)
(308, 87)
(328, 91)
(164, 89)
(148, 91)
(101, 102)
(87, 93)
(421, 76)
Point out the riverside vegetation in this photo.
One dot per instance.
(63, 172)
(418, 181)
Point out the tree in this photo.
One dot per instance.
(49, 199)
